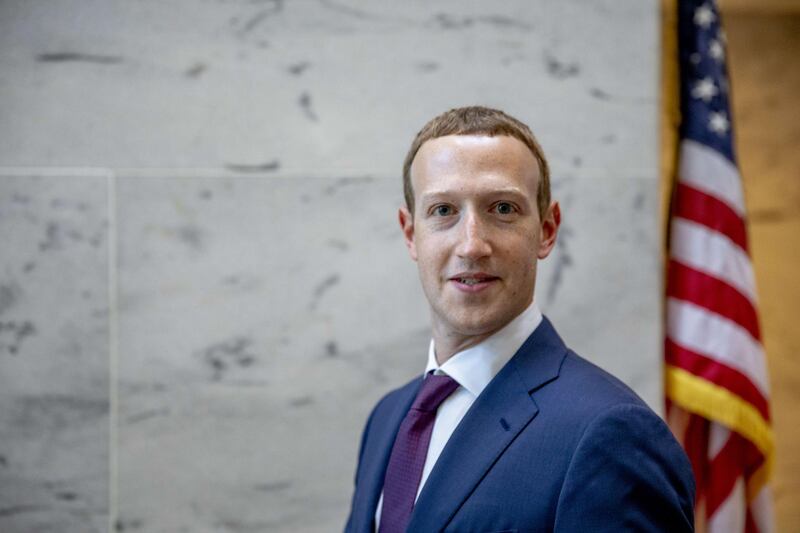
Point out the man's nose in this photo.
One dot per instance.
(473, 240)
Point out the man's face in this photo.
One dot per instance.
(476, 233)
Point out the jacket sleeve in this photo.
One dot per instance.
(628, 473)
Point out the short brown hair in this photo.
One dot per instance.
(478, 120)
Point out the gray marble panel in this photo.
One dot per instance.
(325, 88)
(54, 326)
(260, 319)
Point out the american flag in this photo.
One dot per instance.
(716, 377)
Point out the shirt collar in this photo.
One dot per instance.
(475, 367)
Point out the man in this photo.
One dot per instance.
(507, 429)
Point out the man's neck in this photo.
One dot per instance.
(448, 343)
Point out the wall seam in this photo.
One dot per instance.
(113, 352)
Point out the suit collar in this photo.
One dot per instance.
(538, 361)
(503, 409)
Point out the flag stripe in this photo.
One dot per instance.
(706, 170)
(711, 252)
(750, 524)
(710, 293)
(724, 470)
(738, 457)
(718, 436)
(717, 338)
(715, 372)
(729, 514)
(695, 205)
(761, 508)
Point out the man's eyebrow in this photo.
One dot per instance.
(510, 191)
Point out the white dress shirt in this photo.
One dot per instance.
(473, 369)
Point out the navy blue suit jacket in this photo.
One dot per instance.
(553, 443)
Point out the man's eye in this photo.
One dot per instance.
(504, 208)
(442, 210)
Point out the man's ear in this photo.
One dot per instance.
(549, 230)
(407, 227)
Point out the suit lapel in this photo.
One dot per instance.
(501, 411)
(376, 456)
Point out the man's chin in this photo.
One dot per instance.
(474, 326)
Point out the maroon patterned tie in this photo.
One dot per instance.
(409, 452)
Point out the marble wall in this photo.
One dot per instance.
(203, 288)
(54, 353)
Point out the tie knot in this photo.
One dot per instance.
(434, 390)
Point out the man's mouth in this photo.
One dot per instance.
(473, 280)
